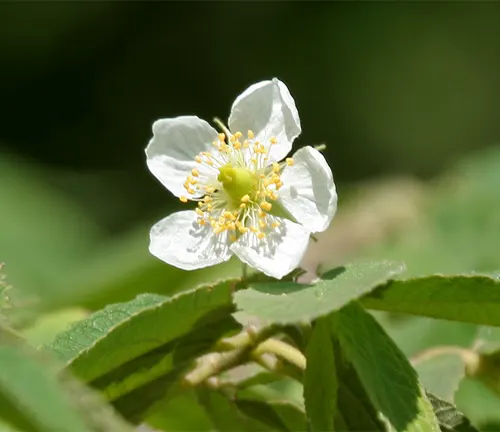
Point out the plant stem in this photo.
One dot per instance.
(222, 127)
(281, 349)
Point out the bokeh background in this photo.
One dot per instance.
(405, 95)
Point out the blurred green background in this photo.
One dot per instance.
(405, 95)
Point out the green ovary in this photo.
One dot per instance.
(237, 182)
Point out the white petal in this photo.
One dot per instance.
(276, 255)
(171, 151)
(308, 191)
(180, 241)
(268, 110)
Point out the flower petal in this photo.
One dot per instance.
(308, 191)
(279, 253)
(180, 241)
(268, 110)
(171, 151)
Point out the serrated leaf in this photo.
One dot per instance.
(135, 352)
(122, 332)
(389, 379)
(450, 419)
(320, 378)
(289, 302)
(441, 374)
(473, 299)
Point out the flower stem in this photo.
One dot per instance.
(281, 349)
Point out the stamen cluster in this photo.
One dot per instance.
(237, 196)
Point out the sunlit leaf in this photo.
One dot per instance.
(473, 299)
(389, 379)
(289, 302)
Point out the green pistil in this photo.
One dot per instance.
(237, 181)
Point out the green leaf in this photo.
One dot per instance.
(449, 418)
(135, 352)
(34, 397)
(320, 380)
(389, 379)
(225, 415)
(473, 299)
(122, 332)
(355, 410)
(441, 374)
(289, 302)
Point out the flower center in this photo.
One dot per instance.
(237, 185)
(237, 181)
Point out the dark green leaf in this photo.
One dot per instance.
(225, 415)
(473, 299)
(289, 302)
(449, 418)
(320, 378)
(389, 379)
(123, 332)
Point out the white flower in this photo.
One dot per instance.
(248, 204)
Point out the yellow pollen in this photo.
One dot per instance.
(237, 145)
(273, 140)
(261, 235)
(210, 189)
(195, 172)
(276, 167)
(222, 137)
(238, 135)
(250, 135)
(254, 229)
(273, 196)
(232, 138)
(190, 190)
(289, 161)
(243, 229)
(198, 159)
(191, 180)
(183, 199)
(262, 224)
(245, 198)
(242, 205)
(199, 211)
(266, 206)
(228, 215)
(232, 238)
(202, 221)
(262, 213)
(246, 144)
(275, 224)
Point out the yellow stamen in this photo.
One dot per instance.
(273, 140)
(195, 172)
(183, 199)
(250, 135)
(289, 161)
(261, 235)
(266, 206)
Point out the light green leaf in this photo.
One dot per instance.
(289, 302)
(35, 398)
(473, 299)
(389, 379)
(441, 374)
(320, 378)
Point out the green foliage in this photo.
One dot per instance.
(474, 299)
(367, 346)
(292, 302)
(320, 379)
(389, 379)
